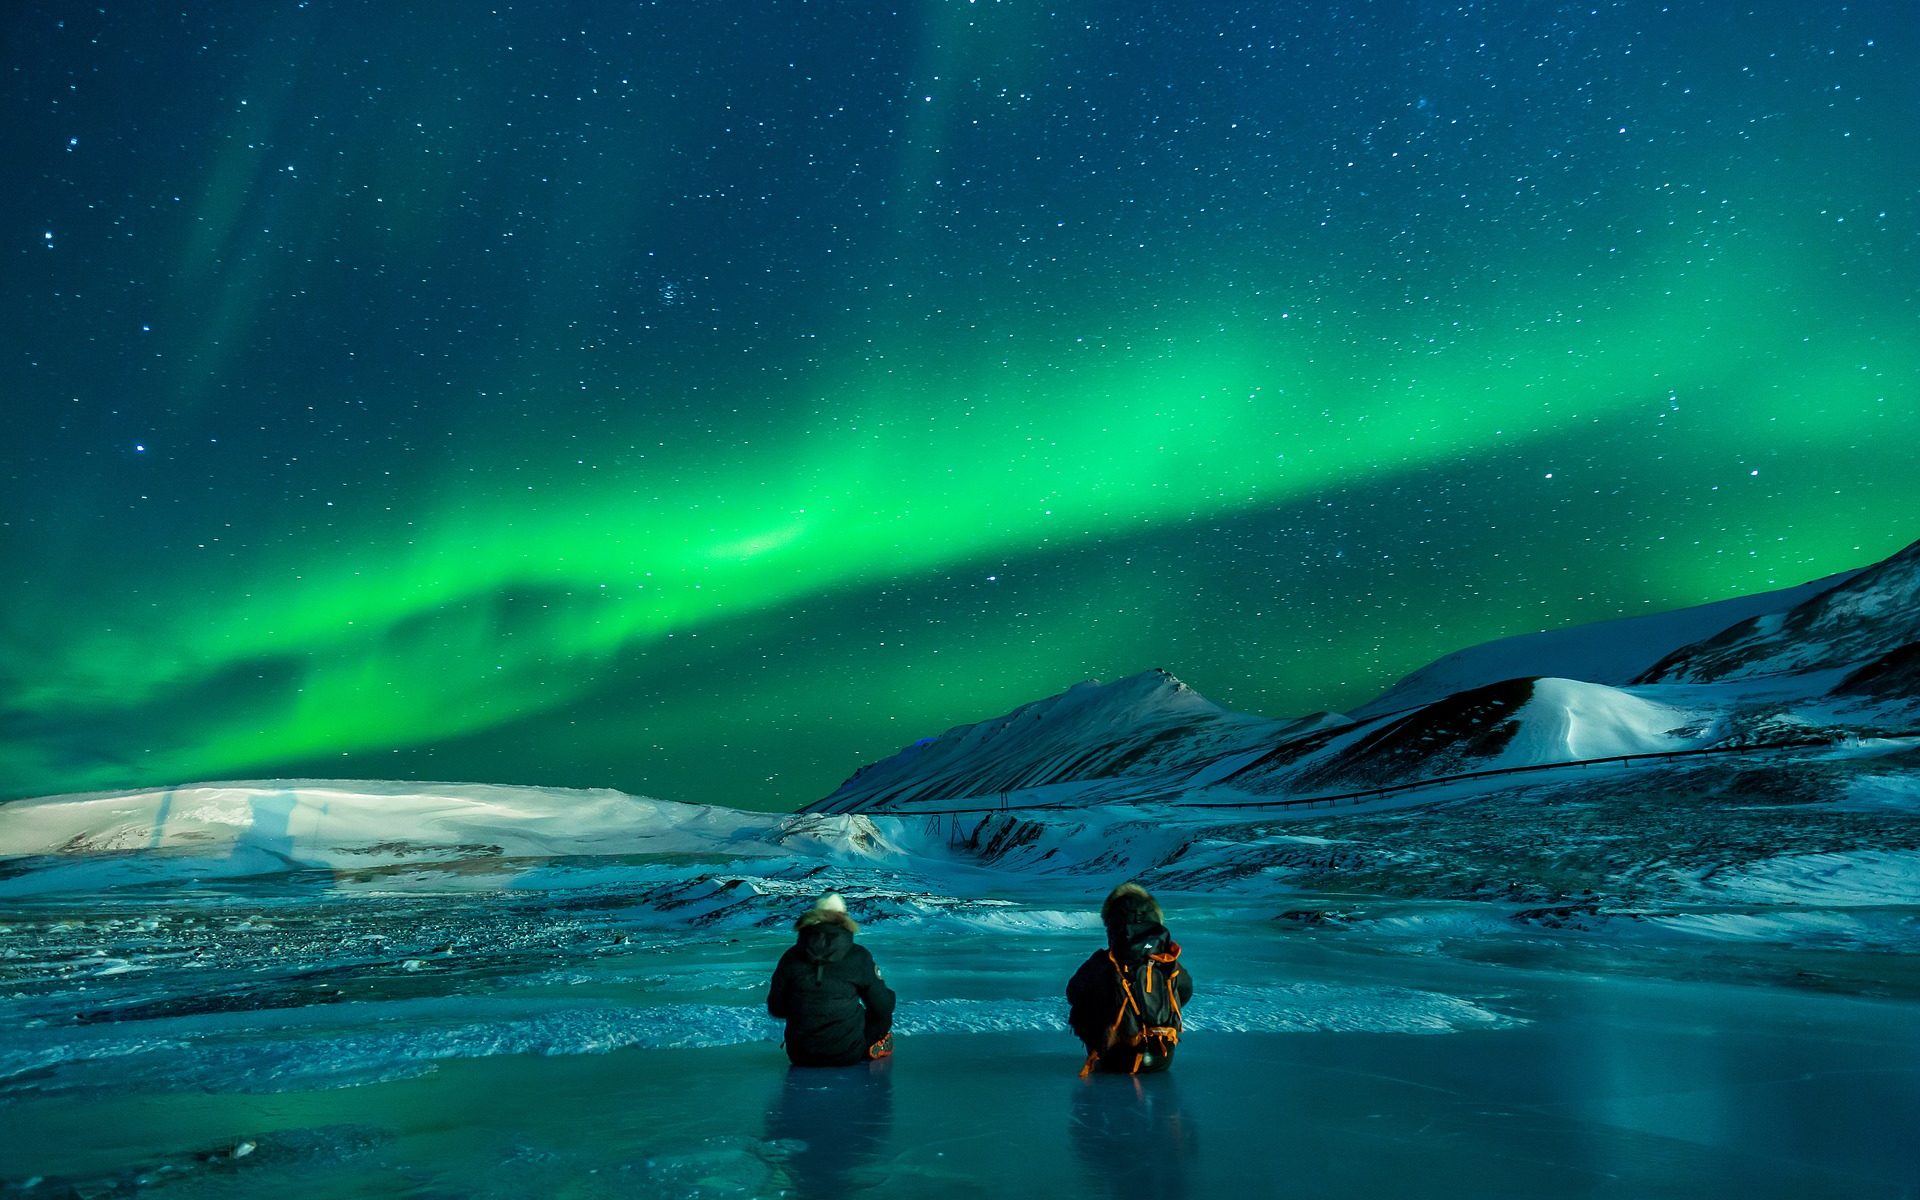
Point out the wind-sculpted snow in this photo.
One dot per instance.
(1885, 933)
(1882, 792)
(1309, 1008)
(1833, 880)
(1232, 1008)
(1570, 720)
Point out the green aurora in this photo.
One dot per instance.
(704, 404)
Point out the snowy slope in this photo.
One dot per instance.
(1893, 676)
(1568, 720)
(1513, 723)
(1612, 652)
(234, 829)
(1874, 613)
(1492, 707)
(1136, 729)
(1029, 761)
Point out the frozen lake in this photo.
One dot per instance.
(589, 1059)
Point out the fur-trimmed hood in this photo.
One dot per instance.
(826, 916)
(1134, 929)
(1130, 904)
(824, 935)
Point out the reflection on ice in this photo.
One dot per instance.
(719, 1167)
(833, 1124)
(1134, 1136)
(655, 1073)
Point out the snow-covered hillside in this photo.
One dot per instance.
(229, 830)
(1871, 614)
(1024, 762)
(1829, 660)
(1893, 676)
(1513, 723)
(1611, 652)
(1144, 732)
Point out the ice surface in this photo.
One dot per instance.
(497, 992)
(649, 1070)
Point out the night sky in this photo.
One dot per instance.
(703, 398)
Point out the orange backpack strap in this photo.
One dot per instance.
(1127, 1001)
(1126, 989)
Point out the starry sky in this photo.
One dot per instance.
(705, 398)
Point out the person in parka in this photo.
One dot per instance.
(1125, 1001)
(838, 1009)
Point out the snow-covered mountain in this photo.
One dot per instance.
(232, 830)
(1828, 660)
(1513, 723)
(1145, 731)
(1150, 737)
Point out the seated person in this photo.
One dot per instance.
(1126, 999)
(838, 1009)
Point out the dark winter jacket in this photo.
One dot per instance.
(1140, 950)
(830, 994)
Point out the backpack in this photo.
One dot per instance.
(1144, 1037)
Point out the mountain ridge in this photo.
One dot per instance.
(1869, 614)
(1657, 684)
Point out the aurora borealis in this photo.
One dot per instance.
(704, 399)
